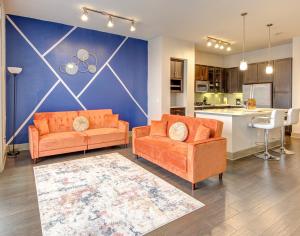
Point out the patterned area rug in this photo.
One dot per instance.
(106, 195)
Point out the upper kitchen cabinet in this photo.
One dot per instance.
(263, 77)
(177, 75)
(177, 69)
(234, 80)
(251, 74)
(201, 72)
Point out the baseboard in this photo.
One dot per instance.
(295, 135)
(3, 160)
(21, 147)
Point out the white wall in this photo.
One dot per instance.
(296, 81)
(2, 88)
(161, 50)
(209, 59)
(277, 52)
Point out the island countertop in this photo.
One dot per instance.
(236, 112)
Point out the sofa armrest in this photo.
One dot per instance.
(124, 126)
(33, 133)
(138, 132)
(206, 158)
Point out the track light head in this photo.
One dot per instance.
(110, 23)
(84, 16)
(132, 27)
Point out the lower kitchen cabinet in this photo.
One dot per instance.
(177, 111)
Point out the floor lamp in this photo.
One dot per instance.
(14, 71)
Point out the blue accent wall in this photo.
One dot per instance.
(123, 87)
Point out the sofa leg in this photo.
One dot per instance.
(193, 186)
(34, 160)
(136, 157)
(84, 152)
(221, 176)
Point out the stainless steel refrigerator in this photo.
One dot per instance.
(262, 93)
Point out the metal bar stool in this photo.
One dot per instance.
(276, 120)
(292, 119)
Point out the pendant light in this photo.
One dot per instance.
(269, 67)
(243, 63)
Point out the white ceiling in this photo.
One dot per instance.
(190, 20)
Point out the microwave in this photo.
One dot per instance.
(201, 86)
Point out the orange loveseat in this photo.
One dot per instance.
(191, 160)
(63, 139)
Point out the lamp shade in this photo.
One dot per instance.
(14, 70)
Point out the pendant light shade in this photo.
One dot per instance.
(269, 67)
(243, 63)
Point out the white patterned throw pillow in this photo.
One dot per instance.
(80, 123)
(178, 131)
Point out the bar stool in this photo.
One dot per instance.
(292, 119)
(276, 120)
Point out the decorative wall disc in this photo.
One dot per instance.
(82, 54)
(92, 69)
(83, 62)
(71, 68)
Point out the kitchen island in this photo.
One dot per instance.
(242, 140)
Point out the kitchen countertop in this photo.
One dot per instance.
(236, 111)
(217, 105)
(177, 107)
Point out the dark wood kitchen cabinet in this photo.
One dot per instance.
(282, 83)
(177, 69)
(177, 111)
(234, 80)
(201, 72)
(177, 75)
(251, 74)
(262, 76)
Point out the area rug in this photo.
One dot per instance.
(106, 195)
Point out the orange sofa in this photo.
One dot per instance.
(63, 139)
(191, 160)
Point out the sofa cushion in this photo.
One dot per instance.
(95, 117)
(158, 128)
(178, 131)
(58, 121)
(168, 153)
(111, 121)
(61, 140)
(192, 124)
(102, 135)
(42, 126)
(202, 133)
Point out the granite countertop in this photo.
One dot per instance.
(236, 112)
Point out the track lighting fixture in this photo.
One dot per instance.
(132, 27)
(84, 16)
(209, 43)
(218, 43)
(110, 23)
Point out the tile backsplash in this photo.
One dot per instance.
(219, 98)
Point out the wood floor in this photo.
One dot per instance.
(256, 197)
